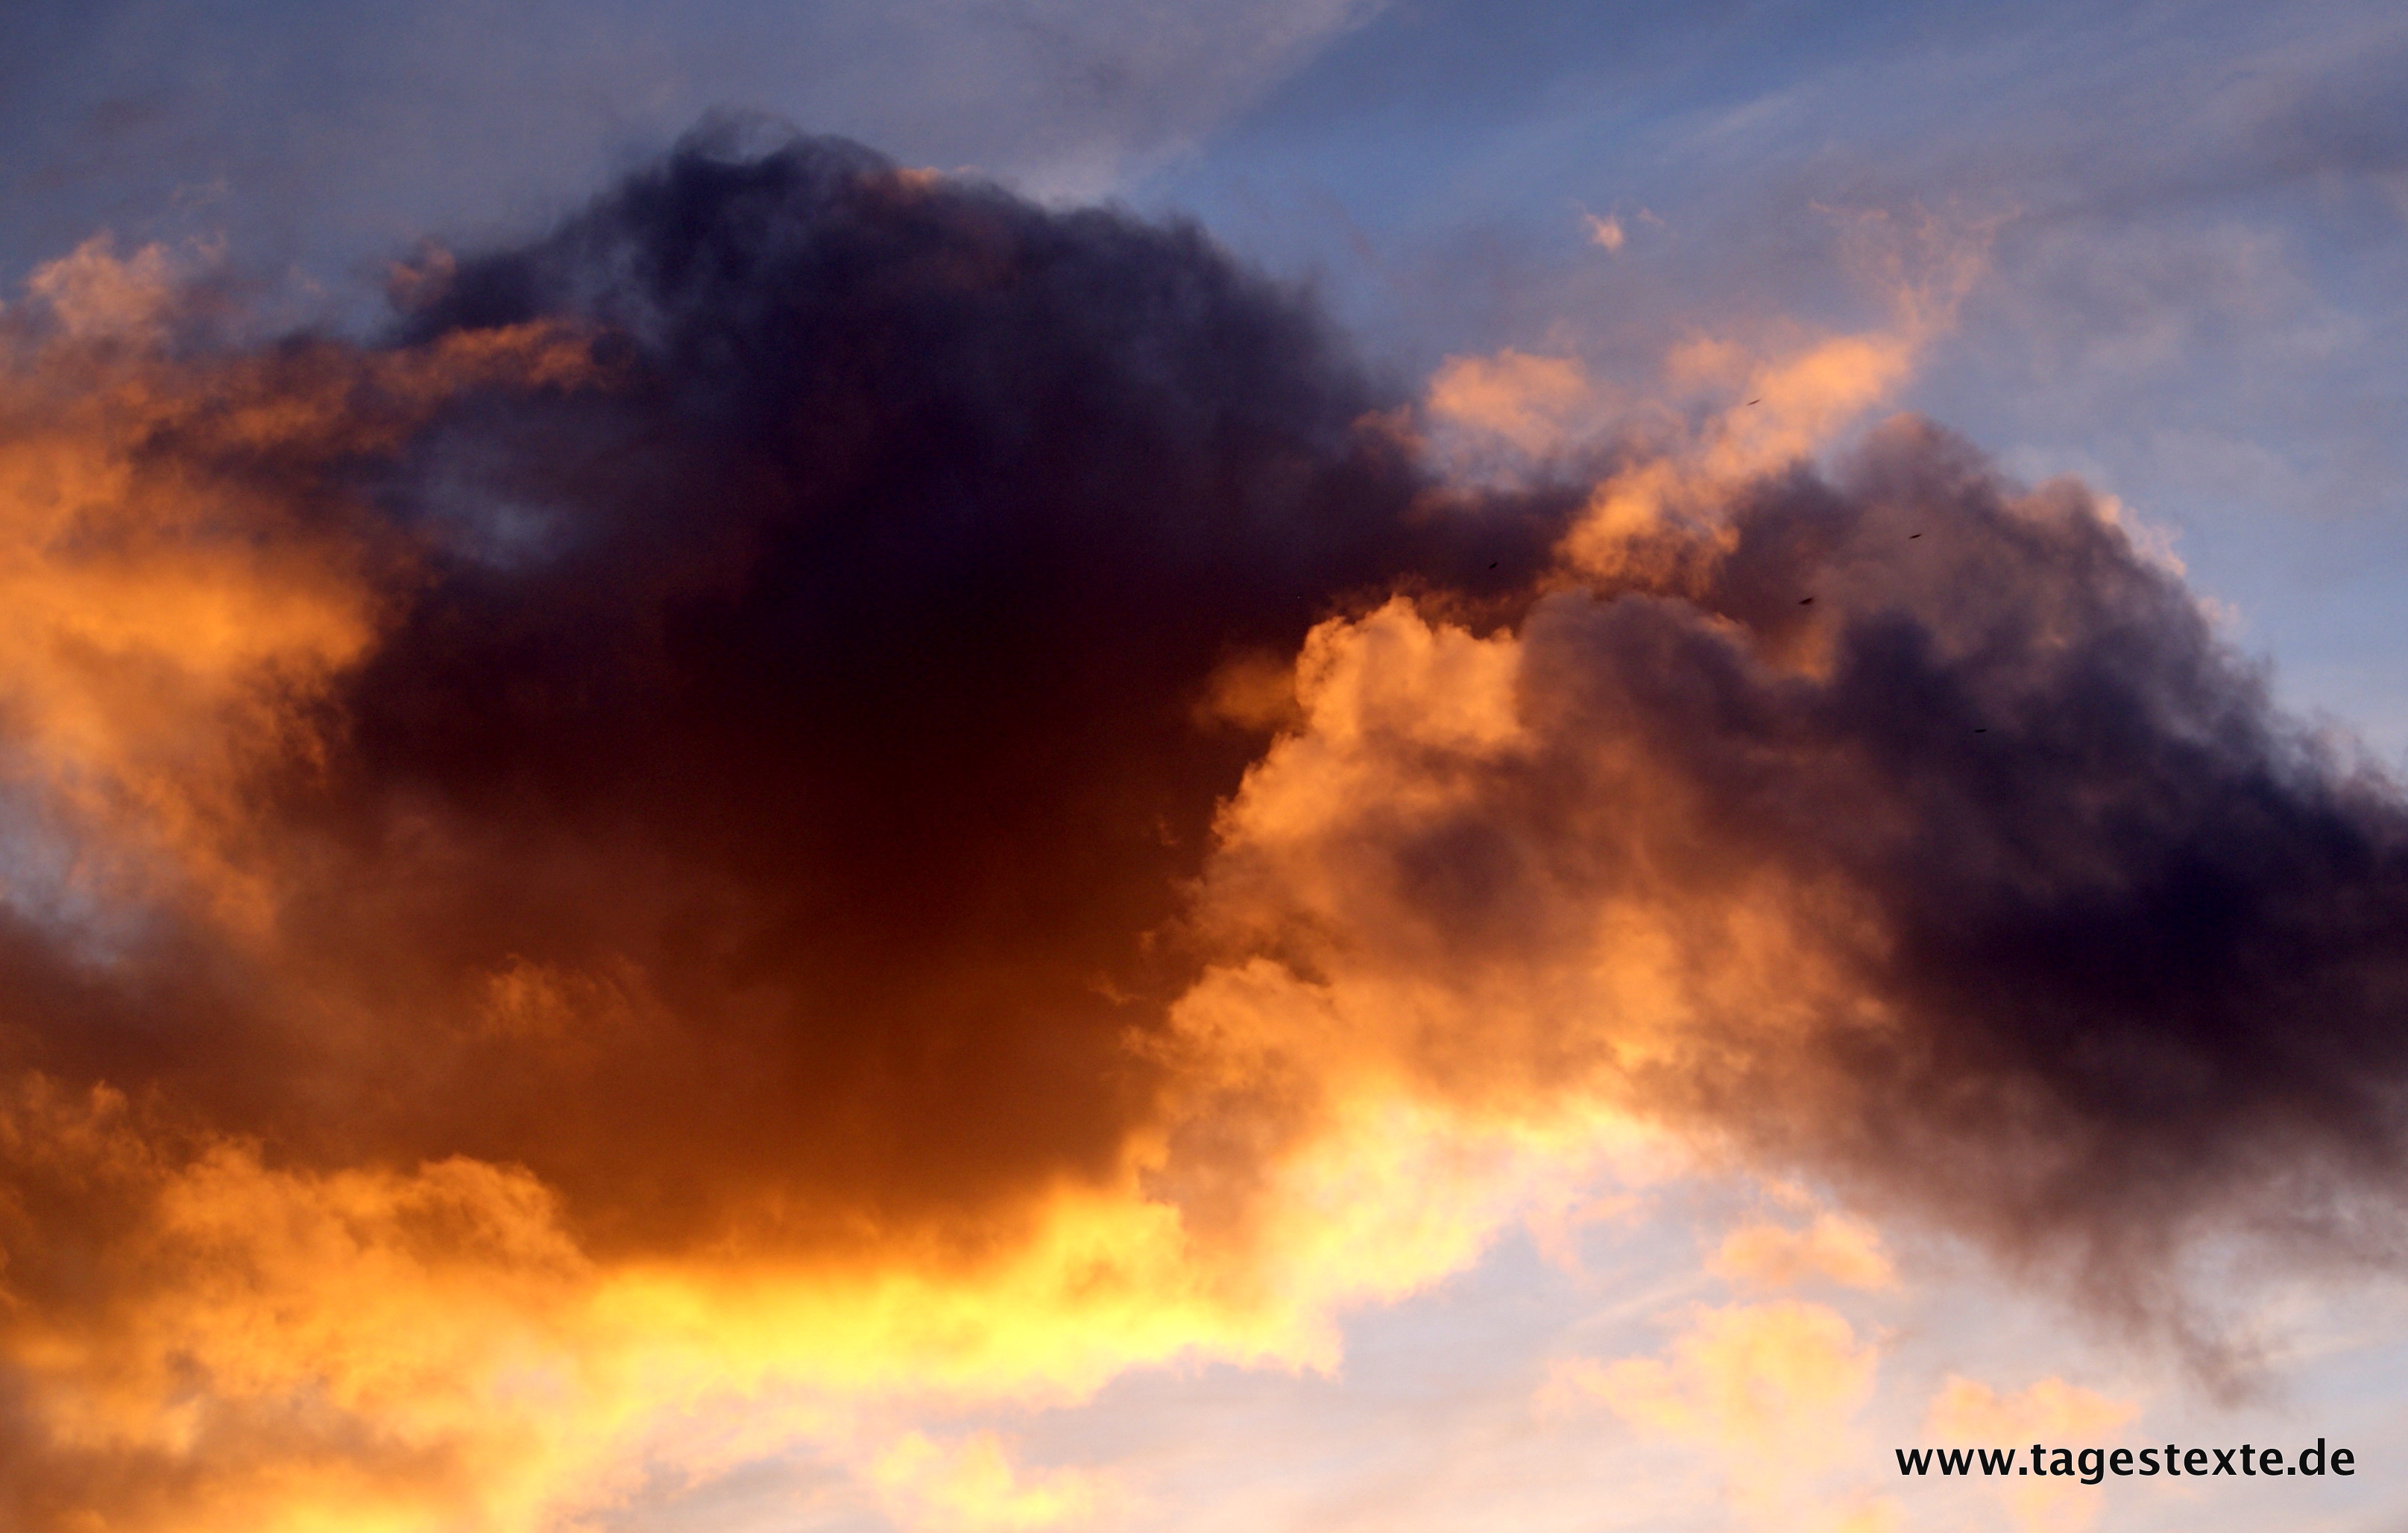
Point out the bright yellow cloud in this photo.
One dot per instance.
(972, 1486)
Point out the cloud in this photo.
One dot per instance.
(973, 1486)
(184, 572)
(636, 816)
(92, 292)
(1606, 232)
(1536, 404)
(1908, 824)
(1839, 1250)
(2051, 1412)
(1759, 1380)
(1772, 1389)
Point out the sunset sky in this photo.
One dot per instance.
(1013, 765)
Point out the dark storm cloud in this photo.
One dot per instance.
(782, 748)
(2144, 942)
(1955, 855)
(676, 755)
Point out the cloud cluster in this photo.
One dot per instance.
(681, 757)
(825, 783)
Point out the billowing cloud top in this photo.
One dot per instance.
(826, 781)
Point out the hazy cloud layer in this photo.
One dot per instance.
(330, 133)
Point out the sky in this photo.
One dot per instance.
(1033, 765)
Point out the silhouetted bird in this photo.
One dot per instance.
(1807, 602)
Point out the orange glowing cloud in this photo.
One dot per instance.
(2051, 1412)
(1764, 1379)
(1839, 1250)
(179, 580)
(1723, 412)
(1770, 1389)
(1518, 396)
